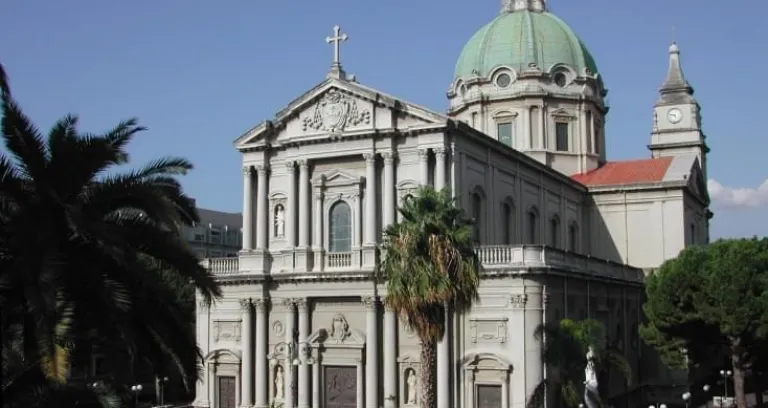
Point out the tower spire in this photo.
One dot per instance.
(509, 6)
(675, 88)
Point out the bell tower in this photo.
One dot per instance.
(677, 117)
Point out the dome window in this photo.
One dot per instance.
(560, 79)
(503, 80)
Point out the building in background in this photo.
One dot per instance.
(219, 234)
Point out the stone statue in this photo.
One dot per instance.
(279, 221)
(590, 380)
(339, 328)
(411, 392)
(279, 383)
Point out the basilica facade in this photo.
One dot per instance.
(562, 231)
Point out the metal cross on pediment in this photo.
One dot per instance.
(337, 39)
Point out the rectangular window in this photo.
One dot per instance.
(215, 236)
(474, 120)
(561, 133)
(488, 396)
(505, 133)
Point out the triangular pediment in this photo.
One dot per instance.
(337, 107)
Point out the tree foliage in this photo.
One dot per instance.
(89, 253)
(430, 265)
(709, 299)
(564, 353)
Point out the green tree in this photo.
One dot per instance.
(711, 298)
(564, 352)
(430, 265)
(86, 250)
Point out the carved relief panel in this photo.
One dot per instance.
(488, 329)
(226, 330)
(334, 112)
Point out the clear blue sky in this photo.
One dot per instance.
(199, 73)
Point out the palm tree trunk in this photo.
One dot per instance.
(428, 373)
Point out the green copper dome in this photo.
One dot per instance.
(520, 38)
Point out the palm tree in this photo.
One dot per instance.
(566, 344)
(85, 249)
(430, 265)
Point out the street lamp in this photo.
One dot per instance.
(161, 384)
(136, 390)
(294, 354)
(657, 406)
(725, 374)
(686, 398)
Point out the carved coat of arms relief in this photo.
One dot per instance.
(334, 112)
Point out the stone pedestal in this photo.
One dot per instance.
(369, 257)
(257, 261)
(302, 259)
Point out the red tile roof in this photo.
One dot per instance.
(626, 172)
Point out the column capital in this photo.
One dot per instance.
(260, 304)
(288, 302)
(423, 153)
(389, 157)
(301, 304)
(245, 304)
(440, 151)
(369, 302)
(202, 306)
(370, 158)
(290, 165)
(303, 164)
(262, 169)
(247, 170)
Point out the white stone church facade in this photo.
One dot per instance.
(561, 231)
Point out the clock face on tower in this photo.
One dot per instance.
(674, 115)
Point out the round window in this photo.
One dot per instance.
(560, 79)
(503, 80)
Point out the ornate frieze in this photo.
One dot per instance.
(334, 112)
(227, 330)
(488, 329)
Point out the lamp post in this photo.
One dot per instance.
(657, 406)
(294, 354)
(726, 374)
(136, 390)
(687, 398)
(161, 388)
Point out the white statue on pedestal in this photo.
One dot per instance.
(411, 391)
(279, 221)
(279, 383)
(590, 381)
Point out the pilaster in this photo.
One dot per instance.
(444, 366)
(288, 368)
(370, 214)
(389, 196)
(371, 352)
(439, 168)
(304, 204)
(303, 391)
(317, 242)
(424, 166)
(262, 210)
(247, 208)
(261, 375)
(246, 375)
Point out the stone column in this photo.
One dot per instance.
(439, 168)
(247, 208)
(290, 331)
(212, 383)
(261, 375)
(390, 359)
(318, 220)
(357, 240)
(316, 384)
(262, 212)
(360, 392)
(444, 366)
(371, 353)
(290, 204)
(303, 204)
(543, 125)
(303, 391)
(246, 374)
(424, 166)
(370, 199)
(389, 189)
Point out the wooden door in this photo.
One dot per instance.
(227, 392)
(340, 388)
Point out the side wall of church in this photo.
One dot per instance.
(641, 228)
(545, 208)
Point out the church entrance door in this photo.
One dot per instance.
(227, 392)
(340, 387)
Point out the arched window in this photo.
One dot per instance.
(573, 237)
(477, 210)
(340, 228)
(533, 226)
(554, 232)
(508, 220)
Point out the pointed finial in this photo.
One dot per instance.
(675, 85)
